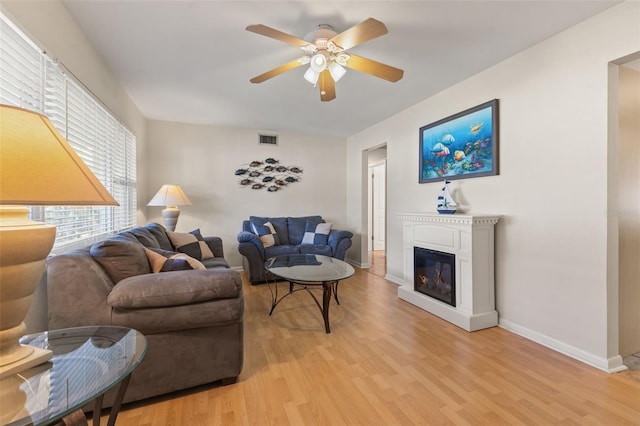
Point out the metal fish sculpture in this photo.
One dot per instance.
(241, 172)
(255, 173)
(271, 161)
(281, 169)
(255, 164)
(257, 186)
(273, 188)
(295, 169)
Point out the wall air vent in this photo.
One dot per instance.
(268, 139)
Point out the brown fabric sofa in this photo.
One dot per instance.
(192, 319)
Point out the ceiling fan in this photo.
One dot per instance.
(325, 52)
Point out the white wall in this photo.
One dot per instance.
(202, 160)
(551, 245)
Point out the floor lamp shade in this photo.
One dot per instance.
(37, 167)
(170, 196)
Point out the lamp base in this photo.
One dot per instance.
(24, 246)
(170, 217)
(38, 356)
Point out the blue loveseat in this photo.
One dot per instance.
(265, 237)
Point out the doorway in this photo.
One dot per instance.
(377, 206)
(628, 212)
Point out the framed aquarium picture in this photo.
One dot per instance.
(464, 145)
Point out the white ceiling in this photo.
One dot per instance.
(191, 61)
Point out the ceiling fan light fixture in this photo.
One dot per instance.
(311, 76)
(337, 71)
(318, 62)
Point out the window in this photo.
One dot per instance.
(31, 80)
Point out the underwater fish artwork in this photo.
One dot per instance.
(476, 128)
(459, 155)
(439, 150)
(448, 139)
(273, 176)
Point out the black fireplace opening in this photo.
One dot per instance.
(434, 274)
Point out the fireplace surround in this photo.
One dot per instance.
(469, 239)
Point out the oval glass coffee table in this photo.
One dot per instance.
(309, 270)
(86, 363)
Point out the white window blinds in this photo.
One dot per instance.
(31, 80)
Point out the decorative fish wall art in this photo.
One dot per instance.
(268, 174)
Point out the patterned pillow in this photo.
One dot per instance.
(192, 244)
(267, 234)
(316, 233)
(165, 261)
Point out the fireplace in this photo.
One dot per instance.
(435, 274)
(462, 247)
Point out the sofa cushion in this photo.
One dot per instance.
(215, 262)
(191, 243)
(160, 233)
(121, 258)
(322, 249)
(158, 290)
(167, 261)
(298, 225)
(316, 233)
(280, 250)
(267, 233)
(279, 223)
(144, 236)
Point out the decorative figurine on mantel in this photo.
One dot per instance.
(446, 205)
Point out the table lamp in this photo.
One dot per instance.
(170, 196)
(37, 167)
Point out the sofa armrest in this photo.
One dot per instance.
(215, 244)
(339, 241)
(174, 289)
(249, 244)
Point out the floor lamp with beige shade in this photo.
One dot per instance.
(170, 196)
(37, 168)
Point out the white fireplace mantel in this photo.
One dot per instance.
(471, 239)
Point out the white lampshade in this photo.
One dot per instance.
(318, 63)
(170, 196)
(337, 71)
(311, 76)
(37, 167)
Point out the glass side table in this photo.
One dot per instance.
(86, 363)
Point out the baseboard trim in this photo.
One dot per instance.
(394, 279)
(610, 365)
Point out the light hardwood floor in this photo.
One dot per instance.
(388, 362)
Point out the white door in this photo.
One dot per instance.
(379, 206)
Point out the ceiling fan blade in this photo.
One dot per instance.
(374, 68)
(276, 34)
(327, 87)
(276, 71)
(360, 33)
